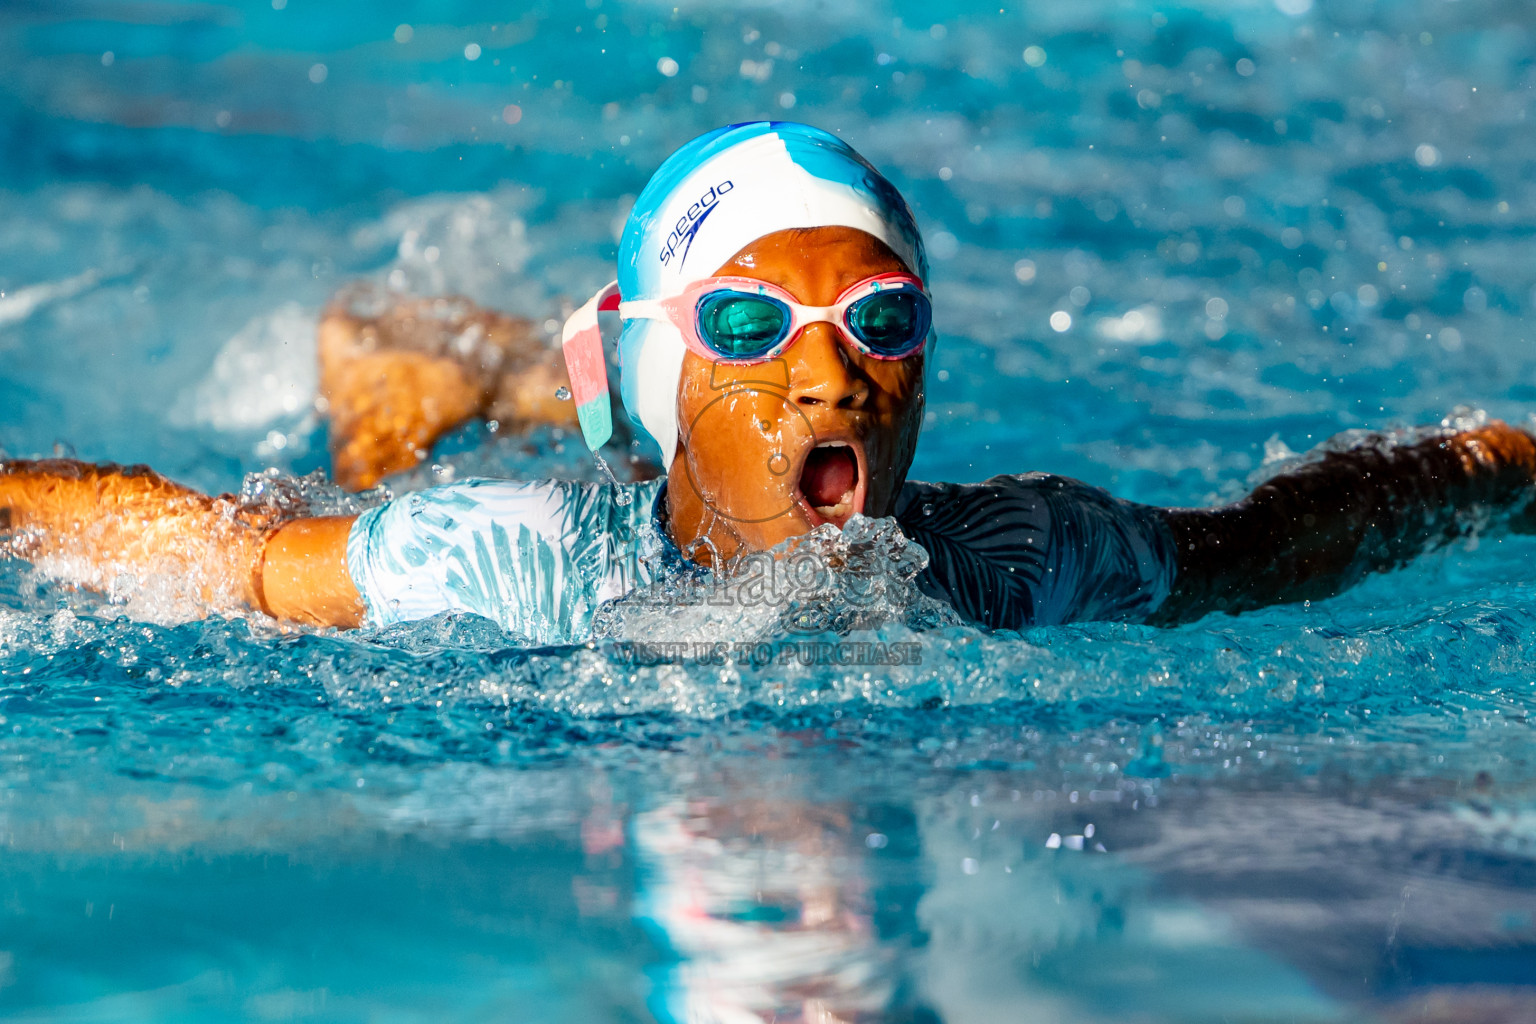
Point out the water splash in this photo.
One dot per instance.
(829, 582)
(313, 494)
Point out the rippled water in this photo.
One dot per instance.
(1259, 224)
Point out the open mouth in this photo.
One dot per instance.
(829, 481)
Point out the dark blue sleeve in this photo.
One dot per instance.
(1036, 549)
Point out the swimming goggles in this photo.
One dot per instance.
(741, 320)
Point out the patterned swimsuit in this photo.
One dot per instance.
(541, 558)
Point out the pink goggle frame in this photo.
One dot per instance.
(681, 311)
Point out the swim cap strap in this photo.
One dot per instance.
(582, 343)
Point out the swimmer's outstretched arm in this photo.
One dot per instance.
(92, 525)
(1313, 532)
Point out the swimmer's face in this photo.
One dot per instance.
(770, 450)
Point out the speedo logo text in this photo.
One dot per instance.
(680, 239)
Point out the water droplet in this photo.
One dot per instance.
(563, 394)
(621, 495)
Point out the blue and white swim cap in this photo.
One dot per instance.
(710, 199)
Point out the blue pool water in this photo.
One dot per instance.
(1265, 222)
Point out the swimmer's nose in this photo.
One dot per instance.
(822, 371)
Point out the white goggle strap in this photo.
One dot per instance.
(587, 368)
(643, 309)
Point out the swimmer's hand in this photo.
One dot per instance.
(396, 381)
(103, 526)
(97, 526)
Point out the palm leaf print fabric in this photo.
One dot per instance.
(541, 558)
(538, 558)
(1036, 549)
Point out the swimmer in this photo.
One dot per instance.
(776, 325)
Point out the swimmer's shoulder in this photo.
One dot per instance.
(1007, 517)
(1037, 548)
(933, 506)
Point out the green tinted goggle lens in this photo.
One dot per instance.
(890, 322)
(741, 326)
